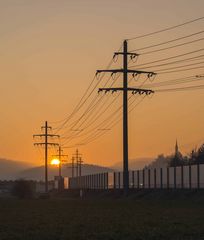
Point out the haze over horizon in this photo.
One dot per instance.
(50, 51)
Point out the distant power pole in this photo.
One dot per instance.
(79, 166)
(73, 167)
(77, 158)
(125, 89)
(46, 135)
(62, 159)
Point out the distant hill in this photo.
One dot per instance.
(9, 169)
(37, 173)
(134, 164)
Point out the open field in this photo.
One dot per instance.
(141, 216)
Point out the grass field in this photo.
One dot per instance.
(141, 216)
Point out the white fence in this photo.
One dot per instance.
(191, 176)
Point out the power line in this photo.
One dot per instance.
(106, 120)
(90, 109)
(96, 129)
(93, 108)
(175, 62)
(166, 29)
(181, 70)
(78, 105)
(113, 123)
(116, 112)
(96, 105)
(198, 87)
(165, 59)
(174, 46)
(77, 108)
(167, 42)
(82, 102)
(175, 81)
(177, 67)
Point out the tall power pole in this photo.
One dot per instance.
(46, 135)
(125, 89)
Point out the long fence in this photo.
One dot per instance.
(182, 177)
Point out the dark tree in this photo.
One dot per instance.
(199, 157)
(23, 189)
(176, 160)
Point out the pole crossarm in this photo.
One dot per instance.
(48, 127)
(62, 155)
(129, 53)
(134, 90)
(43, 135)
(54, 144)
(149, 74)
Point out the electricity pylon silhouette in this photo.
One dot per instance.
(77, 157)
(125, 89)
(62, 159)
(46, 135)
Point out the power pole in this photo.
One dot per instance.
(46, 135)
(62, 159)
(77, 157)
(79, 164)
(125, 89)
(73, 167)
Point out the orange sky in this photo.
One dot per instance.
(49, 53)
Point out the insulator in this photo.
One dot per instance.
(113, 75)
(134, 58)
(134, 75)
(115, 58)
(150, 95)
(151, 76)
(97, 75)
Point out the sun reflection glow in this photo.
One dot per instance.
(55, 161)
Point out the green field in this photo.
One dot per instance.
(141, 216)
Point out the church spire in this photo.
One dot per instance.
(176, 148)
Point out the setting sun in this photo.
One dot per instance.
(55, 162)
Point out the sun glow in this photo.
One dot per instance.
(55, 161)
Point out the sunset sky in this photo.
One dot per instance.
(49, 53)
